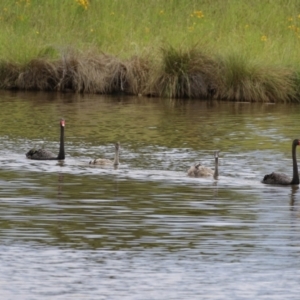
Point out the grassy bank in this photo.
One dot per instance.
(224, 49)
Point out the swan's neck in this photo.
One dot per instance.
(295, 179)
(61, 154)
(216, 173)
(116, 160)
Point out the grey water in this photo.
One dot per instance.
(69, 230)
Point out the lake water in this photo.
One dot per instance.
(146, 230)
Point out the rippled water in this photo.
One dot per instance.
(146, 230)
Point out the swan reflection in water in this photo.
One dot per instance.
(294, 191)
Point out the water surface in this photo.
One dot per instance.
(146, 230)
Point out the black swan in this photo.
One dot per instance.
(42, 154)
(107, 162)
(201, 171)
(280, 178)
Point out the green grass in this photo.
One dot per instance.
(246, 50)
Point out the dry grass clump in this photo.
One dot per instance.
(89, 73)
(9, 73)
(101, 73)
(184, 74)
(77, 72)
(135, 75)
(74, 72)
(243, 80)
(38, 74)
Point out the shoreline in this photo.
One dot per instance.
(175, 74)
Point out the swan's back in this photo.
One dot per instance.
(200, 171)
(40, 154)
(277, 178)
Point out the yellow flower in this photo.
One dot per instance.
(291, 19)
(83, 3)
(191, 28)
(292, 27)
(263, 38)
(161, 12)
(199, 14)
(92, 30)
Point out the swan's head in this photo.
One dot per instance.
(30, 153)
(296, 142)
(62, 122)
(217, 154)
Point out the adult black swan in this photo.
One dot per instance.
(108, 162)
(43, 154)
(202, 171)
(283, 179)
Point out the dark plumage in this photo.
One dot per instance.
(281, 178)
(42, 154)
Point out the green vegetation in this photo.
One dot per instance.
(225, 49)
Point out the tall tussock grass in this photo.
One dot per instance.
(101, 73)
(184, 74)
(135, 76)
(9, 73)
(89, 73)
(38, 74)
(246, 80)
